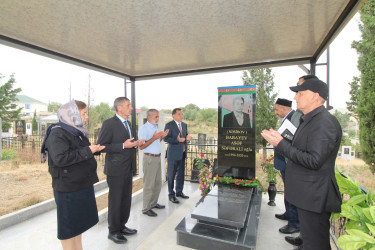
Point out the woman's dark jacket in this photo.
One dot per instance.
(71, 163)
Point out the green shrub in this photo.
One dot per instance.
(8, 154)
(359, 212)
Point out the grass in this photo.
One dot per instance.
(8, 154)
(358, 170)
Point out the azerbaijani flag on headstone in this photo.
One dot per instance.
(237, 90)
(227, 94)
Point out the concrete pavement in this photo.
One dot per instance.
(158, 232)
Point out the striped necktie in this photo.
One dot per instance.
(181, 134)
(179, 127)
(127, 128)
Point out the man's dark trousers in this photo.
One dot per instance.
(176, 167)
(119, 200)
(291, 210)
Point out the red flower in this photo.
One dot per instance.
(237, 183)
(202, 155)
(267, 160)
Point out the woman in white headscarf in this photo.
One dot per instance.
(73, 169)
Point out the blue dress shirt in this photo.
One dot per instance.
(146, 132)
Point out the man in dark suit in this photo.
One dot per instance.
(176, 154)
(117, 137)
(310, 182)
(283, 109)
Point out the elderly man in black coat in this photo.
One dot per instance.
(310, 182)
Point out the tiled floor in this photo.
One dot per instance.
(153, 232)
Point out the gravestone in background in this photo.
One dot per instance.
(345, 152)
(236, 142)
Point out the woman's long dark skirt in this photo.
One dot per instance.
(76, 212)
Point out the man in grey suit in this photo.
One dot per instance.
(310, 182)
(116, 135)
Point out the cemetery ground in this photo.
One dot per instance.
(25, 181)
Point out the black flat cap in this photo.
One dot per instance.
(314, 85)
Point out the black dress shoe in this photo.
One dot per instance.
(183, 196)
(281, 216)
(295, 241)
(128, 231)
(158, 206)
(288, 229)
(150, 213)
(174, 200)
(117, 238)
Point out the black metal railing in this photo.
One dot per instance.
(31, 144)
(198, 149)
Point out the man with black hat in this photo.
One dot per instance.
(297, 241)
(283, 109)
(310, 182)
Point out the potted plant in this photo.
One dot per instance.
(271, 177)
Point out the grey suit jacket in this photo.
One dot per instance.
(310, 181)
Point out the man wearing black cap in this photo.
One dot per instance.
(310, 182)
(283, 109)
(297, 241)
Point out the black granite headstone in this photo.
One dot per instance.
(236, 135)
(224, 205)
(227, 217)
(216, 225)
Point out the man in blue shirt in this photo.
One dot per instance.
(151, 162)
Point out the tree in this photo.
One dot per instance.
(8, 111)
(98, 114)
(366, 64)
(34, 125)
(207, 115)
(190, 112)
(352, 105)
(54, 106)
(166, 111)
(343, 118)
(265, 115)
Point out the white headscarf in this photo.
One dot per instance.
(69, 114)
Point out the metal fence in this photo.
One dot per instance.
(23, 144)
(31, 144)
(199, 149)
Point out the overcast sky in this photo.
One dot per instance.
(49, 80)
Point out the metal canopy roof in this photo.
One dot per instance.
(152, 39)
